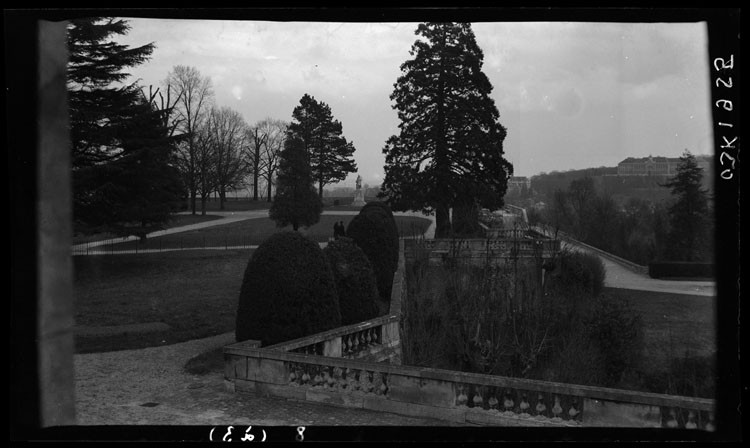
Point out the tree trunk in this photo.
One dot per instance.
(320, 188)
(193, 197)
(255, 184)
(269, 190)
(203, 204)
(442, 222)
(222, 198)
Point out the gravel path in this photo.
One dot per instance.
(150, 387)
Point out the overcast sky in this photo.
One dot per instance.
(571, 94)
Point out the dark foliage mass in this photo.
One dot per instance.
(331, 155)
(288, 291)
(355, 281)
(296, 203)
(450, 143)
(383, 211)
(124, 176)
(370, 231)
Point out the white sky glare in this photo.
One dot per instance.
(571, 94)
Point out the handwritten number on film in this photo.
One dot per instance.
(228, 436)
(725, 158)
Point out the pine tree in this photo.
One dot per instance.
(689, 239)
(124, 180)
(136, 193)
(99, 105)
(450, 145)
(296, 201)
(330, 153)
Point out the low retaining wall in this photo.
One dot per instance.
(627, 263)
(454, 396)
(483, 250)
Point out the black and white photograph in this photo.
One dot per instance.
(374, 225)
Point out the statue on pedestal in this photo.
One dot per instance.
(359, 194)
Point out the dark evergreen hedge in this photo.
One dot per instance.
(288, 291)
(379, 208)
(680, 269)
(370, 232)
(355, 281)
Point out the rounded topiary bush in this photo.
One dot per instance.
(355, 281)
(381, 210)
(369, 232)
(288, 291)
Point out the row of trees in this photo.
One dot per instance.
(641, 231)
(219, 151)
(138, 155)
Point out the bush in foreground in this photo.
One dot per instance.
(288, 291)
(355, 281)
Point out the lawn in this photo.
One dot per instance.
(673, 325)
(178, 220)
(252, 232)
(194, 292)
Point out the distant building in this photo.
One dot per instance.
(656, 166)
(516, 183)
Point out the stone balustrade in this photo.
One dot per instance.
(482, 250)
(375, 340)
(454, 396)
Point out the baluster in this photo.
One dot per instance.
(351, 380)
(368, 339)
(292, 375)
(493, 403)
(557, 409)
(524, 406)
(346, 345)
(672, 422)
(691, 424)
(338, 380)
(508, 403)
(384, 385)
(573, 411)
(366, 382)
(478, 401)
(317, 380)
(362, 342)
(355, 343)
(305, 378)
(710, 426)
(328, 378)
(540, 406)
(462, 399)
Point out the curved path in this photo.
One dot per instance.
(619, 276)
(226, 218)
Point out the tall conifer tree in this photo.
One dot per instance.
(296, 201)
(330, 153)
(689, 239)
(124, 180)
(450, 146)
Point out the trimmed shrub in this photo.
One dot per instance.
(369, 232)
(288, 291)
(355, 281)
(680, 269)
(378, 208)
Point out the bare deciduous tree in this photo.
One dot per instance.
(228, 132)
(195, 96)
